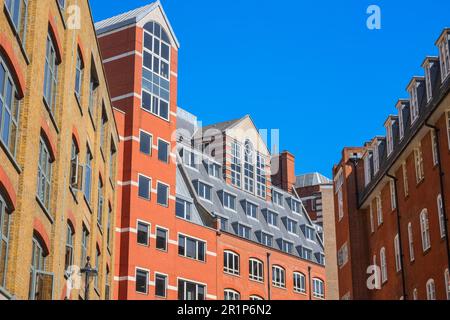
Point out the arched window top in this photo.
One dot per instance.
(231, 294)
(232, 291)
(254, 297)
(276, 266)
(256, 260)
(157, 31)
(231, 252)
(299, 273)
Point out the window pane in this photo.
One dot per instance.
(163, 151)
(161, 239)
(162, 194)
(141, 281)
(145, 143)
(144, 187)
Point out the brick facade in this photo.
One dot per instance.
(25, 57)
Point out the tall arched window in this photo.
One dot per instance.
(9, 109)
(156, 71)
(431, 290)
(4, 240)
(231, 262)
(383, 263)
(249, 167)
(425, 230)
(278, 277)
(256, 270)
(41, 282)
(51, 74)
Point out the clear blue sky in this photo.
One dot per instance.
(309, 68)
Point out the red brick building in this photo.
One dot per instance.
(392, 197)
(172, 236)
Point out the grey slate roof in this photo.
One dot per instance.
(131, 17)
(187, 186)
(125, 18)
(311, 179)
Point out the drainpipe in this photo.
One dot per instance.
(402, 265)
(309, 281)
(441, 183)
(268, 277)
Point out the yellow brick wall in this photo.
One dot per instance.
(22, 171)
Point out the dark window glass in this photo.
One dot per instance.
(145, 143)
(163, 194)
(163, 151)
(160, 285)
(161, 239)
(142, 233)
(141, 281)
(144, 187)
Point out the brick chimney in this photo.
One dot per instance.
(283, 166)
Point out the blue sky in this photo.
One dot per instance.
(311, 69)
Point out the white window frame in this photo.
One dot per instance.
(318, 288)
(429, 88)
(413, 102)
(412, 256)
(340, 198)
(258, 265)
(166, 204)
(418, 163)
(405, 179)
(389, 138)
(447, 283)
(278, 277)
(166, 282)
(379, 210)
(398, 262)
(425, 230)
(197, 247)
(236, 164)
(299, 280)
(149, 187)
(231, 295)
(372, 224)
(434, 147)
(202, 195)
(393, 195)
(229, 201)
(441, 217)
(147, 273)
(444, 58)
(145, 133)
(229, 263)
(431, 290)
(383, 265)
(148, 226)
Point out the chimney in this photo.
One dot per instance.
(284, 167)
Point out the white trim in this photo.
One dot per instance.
(125, 96)
(125, 230)
(127, 183)
(125, 278)
(123, 55)
(174, 74)
(128, 138)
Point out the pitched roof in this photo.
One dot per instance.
(311, 179)
(222, 126)
(131, 17)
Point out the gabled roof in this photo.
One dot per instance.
(222, 126)
(311, 179)
(130, 18)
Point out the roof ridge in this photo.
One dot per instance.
(128, 12)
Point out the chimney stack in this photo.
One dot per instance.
(284, 167)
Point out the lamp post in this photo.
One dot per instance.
(90, 272)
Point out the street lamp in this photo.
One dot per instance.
(90, 272)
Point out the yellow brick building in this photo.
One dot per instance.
(58, 141)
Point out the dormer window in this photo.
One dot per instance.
(376, 158)
(444, 56)
(389, 137)
(367, 175)
(414, 102)
(428, 80)
(401, 124)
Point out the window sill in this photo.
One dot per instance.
(11, 157)
(45, 210)
(232, 274)
(165, 251)
(256, 281)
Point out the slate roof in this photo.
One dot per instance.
(311, 179)
(187, 186)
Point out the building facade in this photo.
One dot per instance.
(392, 197)
(317, 194)
(58, 153)
(170, 234)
